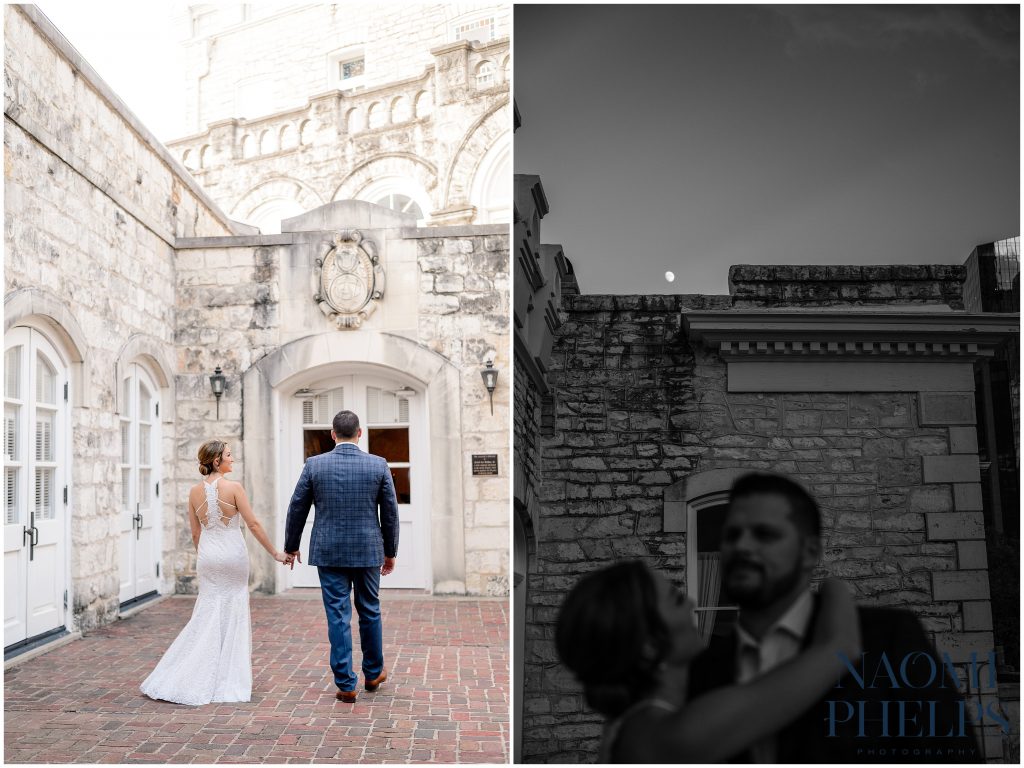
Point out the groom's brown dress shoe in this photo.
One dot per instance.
(373, 685)
(349, 697)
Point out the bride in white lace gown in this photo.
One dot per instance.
(211, 659)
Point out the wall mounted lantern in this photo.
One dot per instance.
(217, 385)
(490, 377)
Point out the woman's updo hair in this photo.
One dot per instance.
(209, 452)
(612, 636)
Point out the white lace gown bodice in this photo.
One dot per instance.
(211, 659)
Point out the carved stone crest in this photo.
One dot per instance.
(349, 279)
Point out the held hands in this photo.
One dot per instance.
(388, 567)
(837, 624)
(288, 558)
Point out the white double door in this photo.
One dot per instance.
(139, 546)
(391, 417)
(36, 457)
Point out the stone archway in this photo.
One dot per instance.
(261, 412)
(401, 165)
(280, 189)
(474, 147)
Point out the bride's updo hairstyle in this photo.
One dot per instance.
(209, 453)
(612, 636)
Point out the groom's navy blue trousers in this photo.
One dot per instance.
(336, 584)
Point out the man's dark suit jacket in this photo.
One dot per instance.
(806, 740)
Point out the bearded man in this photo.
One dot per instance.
(897, 703)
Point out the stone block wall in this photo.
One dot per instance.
(292, 47)
(236, 303)
(637, 409)
(464, 310)
(420, 118)
(92, 207)
(787, 285)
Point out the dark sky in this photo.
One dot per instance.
(690, 138)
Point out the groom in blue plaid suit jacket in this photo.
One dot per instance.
(350, 545)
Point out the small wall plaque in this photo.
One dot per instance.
(485, 463)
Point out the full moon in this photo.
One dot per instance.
(670, 276)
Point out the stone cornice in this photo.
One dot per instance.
(768, 334)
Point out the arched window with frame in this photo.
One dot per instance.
(696, 506)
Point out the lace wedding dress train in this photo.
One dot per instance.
(211, 660)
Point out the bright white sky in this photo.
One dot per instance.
(133, 47)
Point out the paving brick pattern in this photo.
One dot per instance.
(446, 699)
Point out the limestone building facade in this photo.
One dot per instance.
(127, 287)
(633, 415)
(294, 106)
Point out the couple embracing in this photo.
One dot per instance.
(802, 678)
(352, 545)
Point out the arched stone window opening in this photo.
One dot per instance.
(400, 110)
(289, 137)
(399, 194)
(486, 74)
(268, 142)
(355, 120)
(376, 115)
(249, 148)
(306, 130)
(424, 104)
(205, 156)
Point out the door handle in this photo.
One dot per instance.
(33, 539)
(138, 528)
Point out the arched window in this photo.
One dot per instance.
(485, 74)
(268, 142)
(205, 156)
(36, 470)
(399, 194)
(289, 137)
(306, 132)
(401, 203)
(424, 104)
(269, 214)
(696, 506)
(355, 120)
(249, 148)
(376, 115)
(490, 191)
(188, 159)
(400, 110)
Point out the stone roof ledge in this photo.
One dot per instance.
(823, 333)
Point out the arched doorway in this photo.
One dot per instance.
(139, 475)
(391, 413)
(36, 473)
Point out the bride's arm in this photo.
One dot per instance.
(254, 525)
(193, 523)
(722, 722)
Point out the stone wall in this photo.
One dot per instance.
(638, 409)
(420, 119)
(238, 301)
(92, 206)
(290, 44)
(803, 285)
(464, 309)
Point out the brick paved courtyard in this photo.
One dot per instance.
(446, 699)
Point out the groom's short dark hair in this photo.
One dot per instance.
(345, 424)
